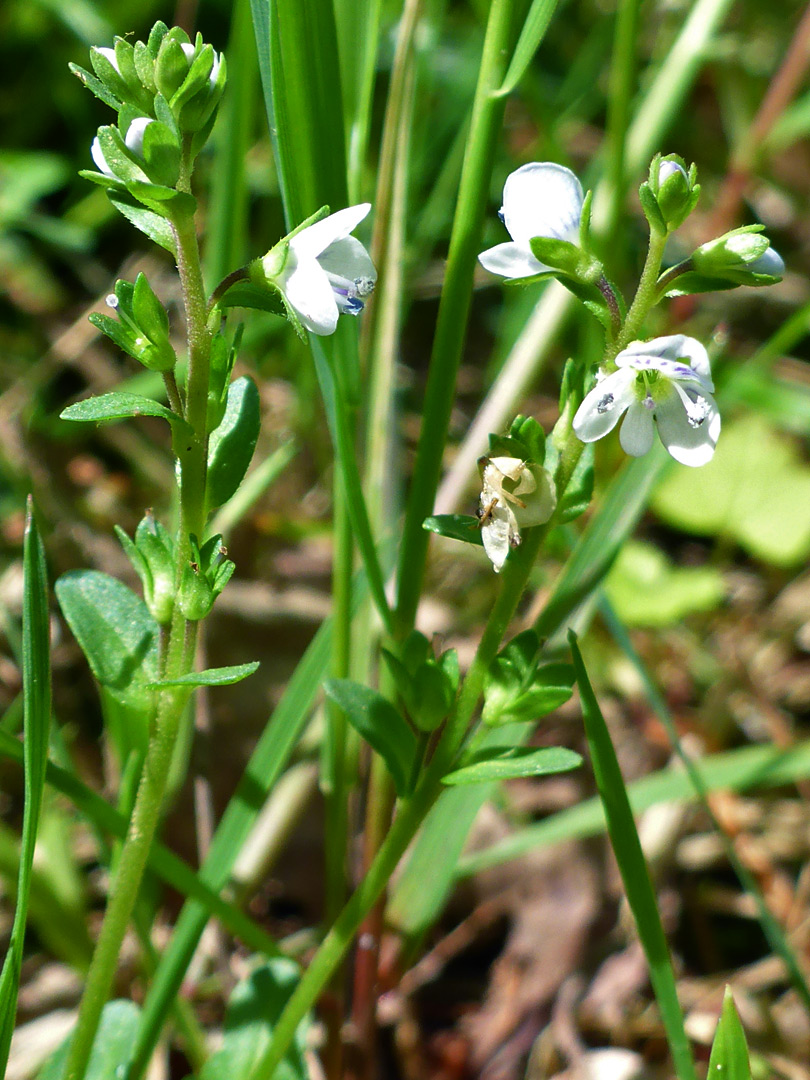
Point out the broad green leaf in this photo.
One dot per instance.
(36, 724)
(633, 868)
(118, 637)
(119, 406)
(455, 527)
(113, 626)
(111, 1049)
(221, 676)
(380, 725)
(729, 1057)
(252, 1012)
(647, 590)
(513, 762)
(755, 491)
(233, 442)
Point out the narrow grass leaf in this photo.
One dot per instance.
(747, 768)
(36, 722)
(633, 868)
(164, 863)
(533, 32)
(729, 1057)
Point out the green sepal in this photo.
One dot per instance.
(233, 442)
(198, 112)
(426, 685)
(578, 494)
(591, 296)
(565, 258)
(96, 86)
(108, 76)
(144, 66)
(651, 210)
(155, 39)
(171, 65)
(517, 688)
(148, 312)
(223, 357)
(120, 159)
(221, 676)
(152, 555)
(246, 294)
(138, 95)
(381, 725)
(511, 763)
(204, 577)
(161, 154)
(455, 527)
(527, 432)
(120, 406)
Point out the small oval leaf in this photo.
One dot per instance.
(233, 442)
(220, 676)
(455, 527)
(514, 763)
(120, 406)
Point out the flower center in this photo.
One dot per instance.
(350, 294)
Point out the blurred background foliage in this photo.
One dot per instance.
(715, 585)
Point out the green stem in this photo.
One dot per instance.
(124, 891)
(645, 295)
(192, 453)
(414, 809)
(454, 307)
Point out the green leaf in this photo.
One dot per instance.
(455, 527)
(755, 491)
(533, 32)
(647, 590)
(729, 1057)
(233, 442)
(247, 295)
(633, 868)
(252, 1013)
(119, 406)
(157, 228)
(513, 762)
(36, 725)
(111, 1048)
(380, 725)
(220, 676)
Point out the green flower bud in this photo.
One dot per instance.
(142, 327)
(670, 194)
(204, 578)
(741, 257)
(152, 555)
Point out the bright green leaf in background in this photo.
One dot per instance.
(647, 590)
(111, 1049)
(755, 491)
(252, 1012)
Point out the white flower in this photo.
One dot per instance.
(670, 168)
(189, 50)
(110, 55)
(540, 199)
(514, 496)
(326, 272)
(770, 262)
(133, 142)
(667, 382)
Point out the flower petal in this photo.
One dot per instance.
(316, 238)
(688, 443)
(601, 408)
(511, 261)
(97, 155)
(676, 356)
(499, 534)
(542, 199)
(638, 430)
(309, 292)
(770, 262)
(349, 259)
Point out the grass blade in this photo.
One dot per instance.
(633, 868)
(37, 718)
(533, 32)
